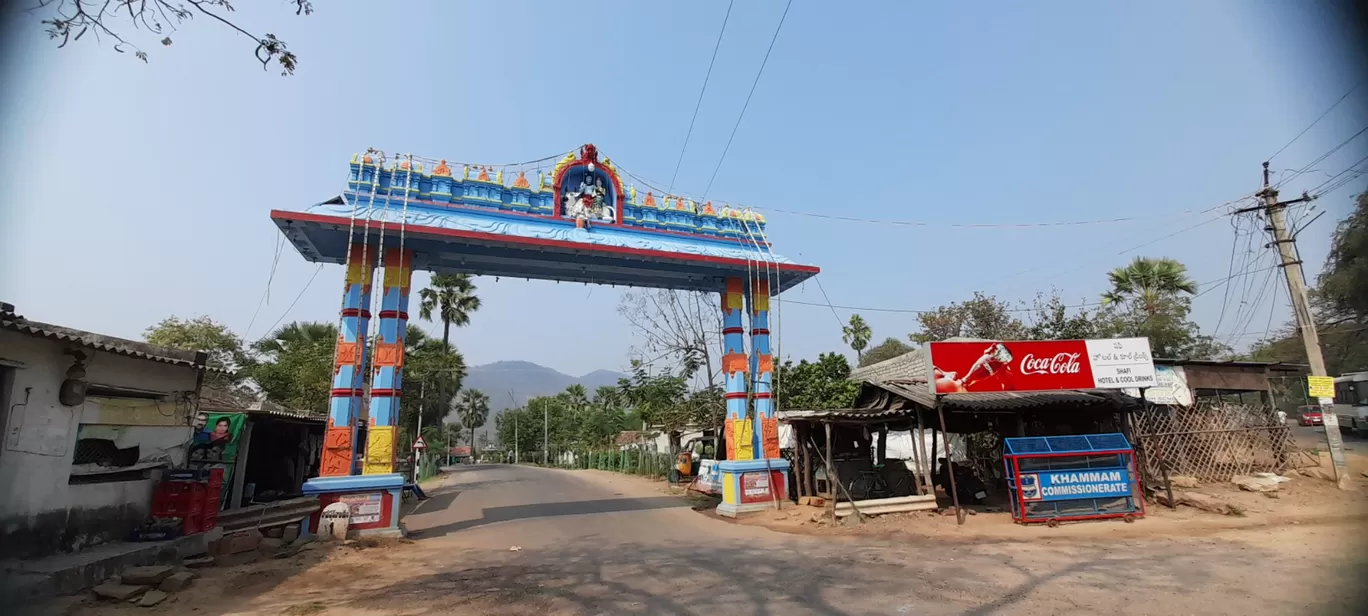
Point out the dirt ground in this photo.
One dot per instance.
(517, 540)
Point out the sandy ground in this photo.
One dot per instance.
(520, 540)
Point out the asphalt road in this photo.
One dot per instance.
(504, 539)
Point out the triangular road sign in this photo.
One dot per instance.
(419, 443)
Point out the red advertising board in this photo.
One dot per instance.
(1039, 365)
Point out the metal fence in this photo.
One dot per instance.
(1213, 442)
(630, 462)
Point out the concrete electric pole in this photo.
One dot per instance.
(1286, 245)
(546, 434)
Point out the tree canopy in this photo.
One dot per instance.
(888, 349)
(126, 22)
(451, 299)
(201, 333)
(856, 334)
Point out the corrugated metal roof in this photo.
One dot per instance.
(13, 322)
(903, 398)
(236, 400)
(909, 365)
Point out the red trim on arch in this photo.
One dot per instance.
(734, 395)
(392, 393)
(394, 314)
(545, 243)
(356, 312)
(762, 395)
(345, 392)
(759, 331)
(733, 330)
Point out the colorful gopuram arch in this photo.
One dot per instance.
(579, 222)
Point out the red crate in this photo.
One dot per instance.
(209, 520)
(192, 524)
(215, 478)
(172, 499)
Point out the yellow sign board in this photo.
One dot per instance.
(1320, 386)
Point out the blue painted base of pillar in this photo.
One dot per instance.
(374, 500)
(752, 485)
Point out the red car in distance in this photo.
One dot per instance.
(1309, 416)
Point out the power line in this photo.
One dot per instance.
(1322, 157)
(699, 104)
(748, 98)
(655, 186)
(271, 329)
(1216, 284)
(1338, 180)
(266, 293)
(1230, 270)
(1316, 121)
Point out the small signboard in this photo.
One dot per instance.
(419, 443)
(1320, 386)
(365, 508)
(1075, 484)
(757, 487)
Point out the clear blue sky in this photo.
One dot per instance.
(136, 191)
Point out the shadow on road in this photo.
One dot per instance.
(494, 515)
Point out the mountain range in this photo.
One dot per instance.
(509, 384)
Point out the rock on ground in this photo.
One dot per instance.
(1183, 481)
(1257, 484)
(1198, 500)
(151, 598)
(176, 581)
(146, 576)
(118, 592)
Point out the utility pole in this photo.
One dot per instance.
(1286, 244)
(546, 434)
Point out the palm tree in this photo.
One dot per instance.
(473, 407)
(452, 298)
(1148, 281)
(295, 334)
(856, 334)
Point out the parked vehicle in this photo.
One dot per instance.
(1351, 402)
(1309, 416)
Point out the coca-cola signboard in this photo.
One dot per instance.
(1040, 365)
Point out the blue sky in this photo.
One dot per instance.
(136, 191)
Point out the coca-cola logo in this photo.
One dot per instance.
(1060, 363)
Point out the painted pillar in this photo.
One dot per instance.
(738, 426)
(349, 365)
(756, 478)
(386, 388)
(766, 440)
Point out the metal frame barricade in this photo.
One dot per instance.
(1055, 479)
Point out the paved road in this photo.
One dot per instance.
(596, 543)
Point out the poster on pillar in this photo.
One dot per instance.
(758, 487)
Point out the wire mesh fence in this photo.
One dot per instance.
(641, 462)
(1213, 442)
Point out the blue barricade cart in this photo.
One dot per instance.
(1056, 479)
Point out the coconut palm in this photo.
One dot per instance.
(452, 298)
(856, 334)
(1148, 281)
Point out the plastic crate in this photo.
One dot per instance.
(192, 524)
(172, 499)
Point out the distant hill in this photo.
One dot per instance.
(528, 380)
